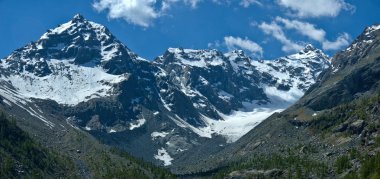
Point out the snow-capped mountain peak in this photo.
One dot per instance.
(82, 42)
(77, 25)
(309, 47)
(309, 52)
(72, 63)
(78, 17)
(372, 29)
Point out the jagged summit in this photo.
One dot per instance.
(367, 40)
(372, 29)
(239, 52)
(369, 35)
(78, 24)
(310, 53)
(78, 17)
(309, 47)
(82, 42)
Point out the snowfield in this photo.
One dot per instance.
(164, 156)
(69, 84)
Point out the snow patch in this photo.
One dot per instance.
(372, 29)
(164, 156)
(202, 132)
(155, 135)
(7, 102)
(224, 95)
(69, 121)
(137, 124)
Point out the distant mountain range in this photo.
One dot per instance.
(183, 106)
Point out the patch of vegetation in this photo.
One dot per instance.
(332, 119)
(294, 166)
(20, 156)
(157, 172)
(370, 168)
(342, 163)
(103, 166)
(377, 141)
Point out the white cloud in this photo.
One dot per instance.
(234, 43)
(316, 8)
(309, 30)
(303, 28)
(218, 1)
(193, 3)
(139, 12)
(341, 41)
(247, 3)
(243, 3)
(214, 45)
(277, 32)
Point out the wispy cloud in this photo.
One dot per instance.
(237, 43)
(144, 12)
(303, 28)
(342, 41)
(247, 3)
(139, 12)
(277, 32)
(279, 26)
(243, 3)
(312, 32)
(316, 8)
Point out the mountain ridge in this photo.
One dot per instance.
(182, 101)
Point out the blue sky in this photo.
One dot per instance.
(262, 28)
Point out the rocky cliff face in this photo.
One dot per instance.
(181, 101)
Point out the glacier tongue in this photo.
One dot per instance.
(239, 122)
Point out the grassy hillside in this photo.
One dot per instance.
(21, 156)
(357, 121)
